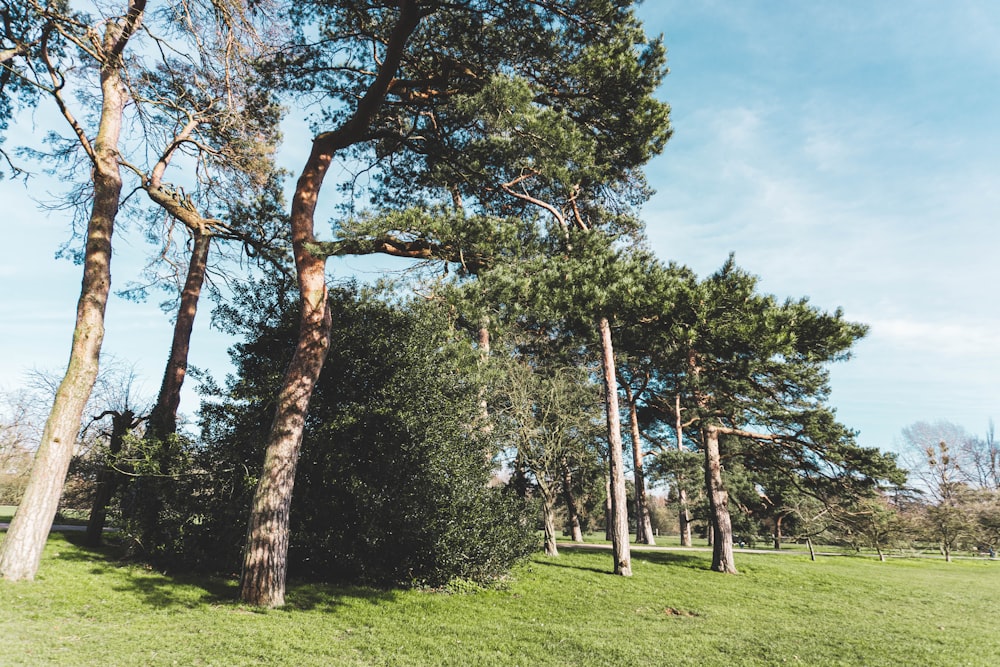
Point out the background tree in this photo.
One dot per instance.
(550, 415)
(753, 370)
(953, 472)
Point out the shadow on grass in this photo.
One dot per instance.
(686, 560)
(310, 595)
(162, 590)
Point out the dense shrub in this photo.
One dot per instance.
(392, 483)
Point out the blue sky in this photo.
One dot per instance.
(845, 151)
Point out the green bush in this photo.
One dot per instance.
(392, 481)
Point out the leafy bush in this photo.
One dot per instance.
(392, 482)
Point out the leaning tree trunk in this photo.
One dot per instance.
(265, 557)
(643, 524)
(163, 417)
(722, 527)
(262, 582)
(21, 551)
(108, 478)
(571, 507)
(619, 503)
(143, 509)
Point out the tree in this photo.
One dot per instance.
(550, 413)
(22, 549)
(955, 474)
(753, 372)
(404, 70)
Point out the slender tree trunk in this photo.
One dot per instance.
(619, 502)
(608, 512)
(571, 507)
(881, 556)
(643, 525)
(722, 527)
(549, 520)
(21, 551)
(684, 515)
(812, 552)
(163, 417)
(144, 505)
(108, 478)
(777, 531)
(483, 342)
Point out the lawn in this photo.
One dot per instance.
(86, 608)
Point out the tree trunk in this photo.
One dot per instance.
(549, 520)
(643, 525)
(571, 508)
(881, 556)
(483, 342)
(777, 531)
(265, 558)
(619, 503)
(163, 418)
(812, 552)
(108, 478)
(262, 582)
(722, 527)
(21, 551)
(608, 520)
(684, 516)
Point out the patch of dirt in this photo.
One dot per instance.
(670, 611)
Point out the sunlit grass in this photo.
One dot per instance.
(87, 609)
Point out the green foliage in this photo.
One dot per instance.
(392, 481)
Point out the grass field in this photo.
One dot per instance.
(87, 609)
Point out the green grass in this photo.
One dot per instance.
(87, 609)
(7, 513)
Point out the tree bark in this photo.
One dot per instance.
(812, 552)
(684, 516)
(163, 417)
(571, 508)
(619, 503)
(608, 520)
(777, 531)
(722, 527)
(262, 581)
(108, 478)
(21, 551)
(643, 525)
(549, 520)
